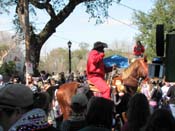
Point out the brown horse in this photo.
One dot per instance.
(64, 95)
(130, 78)
(66, 91)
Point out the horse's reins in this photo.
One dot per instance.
(111, 76)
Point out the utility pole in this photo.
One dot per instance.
(69, 46)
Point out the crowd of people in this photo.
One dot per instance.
(160, 94)
(22, 109)
(32, 105)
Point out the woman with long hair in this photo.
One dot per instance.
(137, 113)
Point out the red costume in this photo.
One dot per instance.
(96, 72)
(139, 50)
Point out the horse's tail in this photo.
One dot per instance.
(64, 95)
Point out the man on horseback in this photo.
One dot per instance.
(96, 69)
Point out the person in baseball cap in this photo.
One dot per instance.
(17, 110)
(80, 100)
(77, 119)
(13, 98)
(16, 95)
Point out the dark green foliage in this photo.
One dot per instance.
(99, 9)
(8, 68)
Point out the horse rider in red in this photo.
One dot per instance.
(138, 49)
(96, 69)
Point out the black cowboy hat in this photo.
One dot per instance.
(100, 44)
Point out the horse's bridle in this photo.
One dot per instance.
(138, 80)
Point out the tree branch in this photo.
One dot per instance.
(54, 22)
(46, 6)
(50, 10)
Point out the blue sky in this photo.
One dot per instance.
(77, 27)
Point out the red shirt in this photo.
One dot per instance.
(138, 50)
(95, 65)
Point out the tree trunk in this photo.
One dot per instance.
(36, 41)
(34, 54)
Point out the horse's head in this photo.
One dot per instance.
(132, 75)
(136, 71)
(142, 71)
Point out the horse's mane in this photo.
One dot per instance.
(127, 72)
